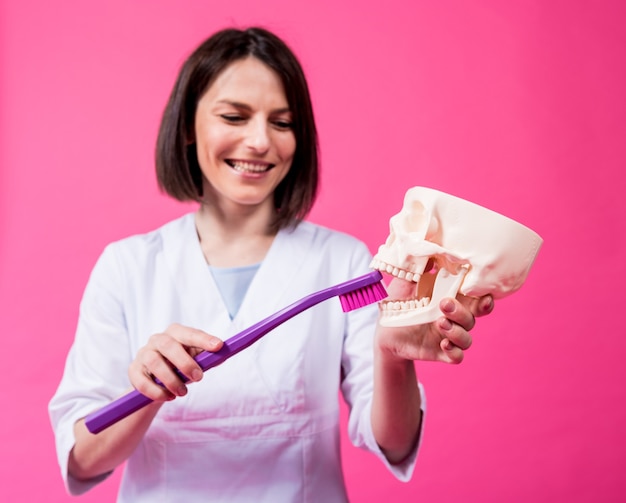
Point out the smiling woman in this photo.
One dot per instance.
(238, 136)
(216, 61)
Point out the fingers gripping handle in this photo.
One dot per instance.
(133, 401)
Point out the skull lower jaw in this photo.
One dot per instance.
(423, 306)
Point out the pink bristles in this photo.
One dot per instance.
(362, 297)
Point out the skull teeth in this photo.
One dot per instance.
(398, 306)
(395, 271)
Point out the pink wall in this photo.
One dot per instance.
(518, 106)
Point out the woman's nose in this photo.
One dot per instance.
(257, 137)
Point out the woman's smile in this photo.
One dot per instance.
(249, 167)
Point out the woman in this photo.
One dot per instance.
(238, 136)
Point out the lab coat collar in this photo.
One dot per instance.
(268, 292)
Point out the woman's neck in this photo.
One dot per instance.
(234, 238)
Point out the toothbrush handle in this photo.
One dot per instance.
(116, 411)
(134, 400)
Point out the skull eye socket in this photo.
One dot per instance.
(416, 218)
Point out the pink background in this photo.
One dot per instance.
(518, 106)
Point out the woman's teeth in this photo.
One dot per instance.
(249, 167)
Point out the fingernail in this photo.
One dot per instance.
(181, 390)
(447, 306)
(196, 374)
(446, 325)
(488, 305)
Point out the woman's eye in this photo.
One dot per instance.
(232, 118)
(283, 124)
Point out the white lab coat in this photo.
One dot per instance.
(263, 426)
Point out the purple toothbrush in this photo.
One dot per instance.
(353, 294)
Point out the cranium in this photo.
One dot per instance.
(447, 245)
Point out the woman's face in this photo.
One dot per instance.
(245, 142)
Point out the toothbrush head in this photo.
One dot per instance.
(364, 291)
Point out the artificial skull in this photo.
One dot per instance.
(446, 245)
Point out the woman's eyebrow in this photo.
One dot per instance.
(244, 106)
(236, 104)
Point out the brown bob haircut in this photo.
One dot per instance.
(177, 168)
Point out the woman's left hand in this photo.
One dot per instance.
(445, 339)
(396, 406)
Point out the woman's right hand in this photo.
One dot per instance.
(94, 455)
(174, 348)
